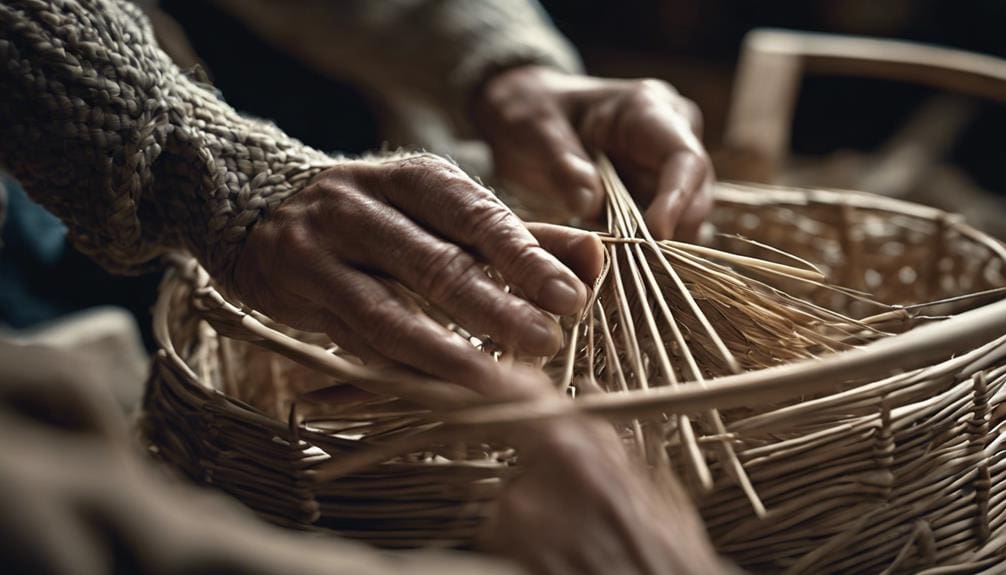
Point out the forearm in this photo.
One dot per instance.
(137, 159)
(438, 51)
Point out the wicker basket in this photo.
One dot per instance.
(894, 469)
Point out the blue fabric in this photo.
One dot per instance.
(30, 227)
(33, 240)
(42, 277)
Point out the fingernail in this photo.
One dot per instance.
(543, 337)
(558, 296)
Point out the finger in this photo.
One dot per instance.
(550, 562)
(544, 156)
(691, 111)
(400, 333)
(653, 129)
(451, 279)
(302, 313)
(637, 523)
(343, 336)
(518, 382)
(698, 209)
(682, 176)
(454, 206)
(580, 250)
(40, 385)
(602, 553)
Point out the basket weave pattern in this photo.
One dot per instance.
(897, 473)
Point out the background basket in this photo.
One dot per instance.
(897, 472)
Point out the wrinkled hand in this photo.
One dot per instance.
(540, 123)
(320, 263)
(581, 506)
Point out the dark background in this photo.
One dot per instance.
(693, 44)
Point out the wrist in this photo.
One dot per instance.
(502, 86)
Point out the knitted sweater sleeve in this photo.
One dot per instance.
(439, 51)
(134, 156)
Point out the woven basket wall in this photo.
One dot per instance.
(897, 473)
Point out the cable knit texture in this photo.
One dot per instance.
(135, 157)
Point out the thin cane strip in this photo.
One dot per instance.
(592, 380)
(922, 381)
(614, 366)
(694, 452)
(734, 467)
(684, 423)
(567, 375)
(807, 264)
(619, 194)
(745, 261)
(635, 359)
(527, 412)
(810, 312)
(734, 259)
(796, 305)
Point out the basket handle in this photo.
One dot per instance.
(772, 62)
(984, 327)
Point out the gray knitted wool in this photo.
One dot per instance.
(134, 156)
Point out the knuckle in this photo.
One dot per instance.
(700, 164)
(319, 205)
(293, 237)
(514, 315)
(422, 161)
(420, 170)
(692, 113)
(521, 258)
(512, 251)
(653, 90)
(498, 94)
(692, 109)
(524, 113)
(484, 216)
(392, 331)
(445, 272)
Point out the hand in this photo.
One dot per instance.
(321, 260)
(582, 507)
(540, 123)
(80, 497)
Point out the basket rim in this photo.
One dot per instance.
(778, 383)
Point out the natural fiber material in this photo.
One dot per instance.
(879, 468)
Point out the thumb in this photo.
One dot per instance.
(579, 250)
